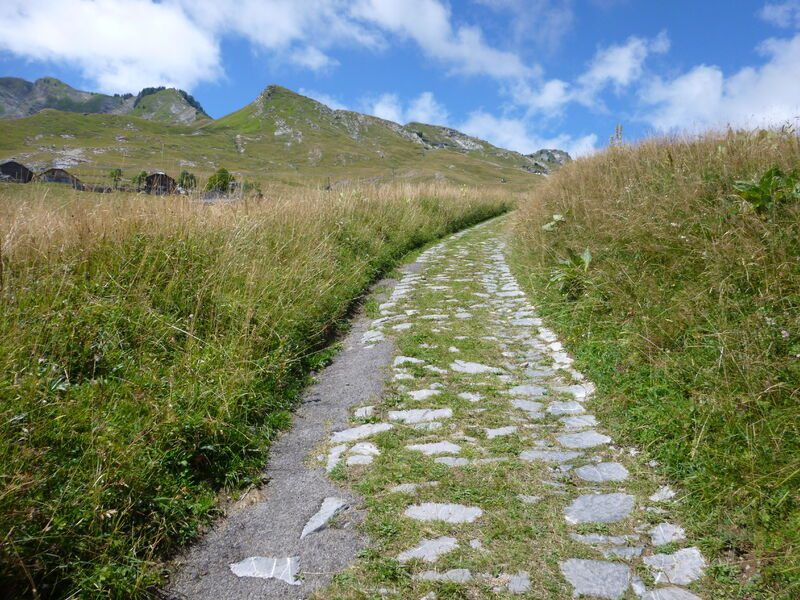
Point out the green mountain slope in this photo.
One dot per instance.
(280, 136)
(20, 98)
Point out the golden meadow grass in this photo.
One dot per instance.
(686, 311)
(152, 347)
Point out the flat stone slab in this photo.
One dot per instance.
(596, 578)
(265, 567)
(681, 568)
(429, 550)
(330, 506)
(599, 508)
(360, 432)
(449, 513)
(453, 576)
(334, 456)
(435, 448)
(364, 412)
(519, 583)
(602, 472)
(500, 432)
(359, 459)
(472, 368)
(583, 439)
(407, 360)
(527, 390)
(525, 498)
(365, 449)
(566, 408)
(420, 415)
(579, 422)
(470, 396)
(557, 456)
(372, 337)
(423, 394)
(527, 405)
(666, 533)
(670, 593)
(623, 552)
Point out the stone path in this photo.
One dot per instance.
(481, 467)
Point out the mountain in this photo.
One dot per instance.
(21, 98)
(279, 137)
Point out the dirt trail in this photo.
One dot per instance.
(478, 471)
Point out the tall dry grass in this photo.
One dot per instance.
(150, 349)
(686, 310)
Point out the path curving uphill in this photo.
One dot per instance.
(477, 469)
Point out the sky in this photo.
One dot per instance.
(523, 74)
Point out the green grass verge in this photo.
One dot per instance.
(151, 349)
(686, 312)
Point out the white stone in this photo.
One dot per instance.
(470, 396)
(527, 390)
(420, 415)
(359, 459)
(429, 550)
(670, 593)
(519, 584)
(431, 426)
(579, 422)
(596, 578)
(566, 408)
(449, 513)
(360, 432)
(584, 439)
(365, 449)
(623, 552)
(472, 368)
(557, 456)
(364, 412)
(663, 493)
(438, 370)
(500, 431)
(434, 448)
(334, 456)
(530, 406)
(599, 508)
(402, 326)
(265, 567)
(476, 544)
(666, 533)
(602, 472)
(372, 337)
(453, 349)
(453, 576)
(407, 360)
(330, 506)
(681, 568)
(423, 394)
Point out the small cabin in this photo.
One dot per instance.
(160, 184)
(15, 172)
(59, 176)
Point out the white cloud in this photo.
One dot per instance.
(122, 45)
(543, 22)
(428, 23)
(423, 109)
(514, 134)
(617, 66)
(782, 14)
(313, 59)
(704, 97)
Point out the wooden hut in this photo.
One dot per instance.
(13, 171)
(160, 183)
(59, 176)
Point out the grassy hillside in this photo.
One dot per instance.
(679, 291)
(280, 137)
(151, 348)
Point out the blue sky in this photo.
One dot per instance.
(523, 74)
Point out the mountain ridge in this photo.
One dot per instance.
(280, 135)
